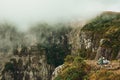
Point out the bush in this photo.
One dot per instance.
(9, 67)
(77, 69)
(69, 59)
(104, 75)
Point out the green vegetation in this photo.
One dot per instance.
(75, 69)
(103, 22)
(54, 40)
(106, 26)
(9, 67)
(14, 68)
(104, 75)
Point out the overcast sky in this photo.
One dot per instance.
(25, 12)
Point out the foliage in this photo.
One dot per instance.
(9, 67)
(56, 54)
(102, 22)
(106, 25)
(76, 70)
(13, 67)
(69, 59)
(104, 75)
(54, 40)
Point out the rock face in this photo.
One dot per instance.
(27, 64)
(87, 42)
(92, 45)
(99, 37)
(74, 40)
(57, 71)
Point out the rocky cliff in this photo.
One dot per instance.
(99, 37)
(27, 64)
(36, 54)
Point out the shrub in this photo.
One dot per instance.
(77, 70)
(104, 75)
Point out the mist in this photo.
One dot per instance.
(26, 12)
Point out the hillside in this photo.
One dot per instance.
(75, 68)
(99, 37)
(62, 51)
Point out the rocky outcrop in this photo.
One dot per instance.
(93, 45)
(27, 64)
(84, 41)
(74, 40)
(57, 71)
(99, 37)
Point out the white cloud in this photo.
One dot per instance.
(24, 12)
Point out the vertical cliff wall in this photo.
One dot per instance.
(27, 64)
(99, 37)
